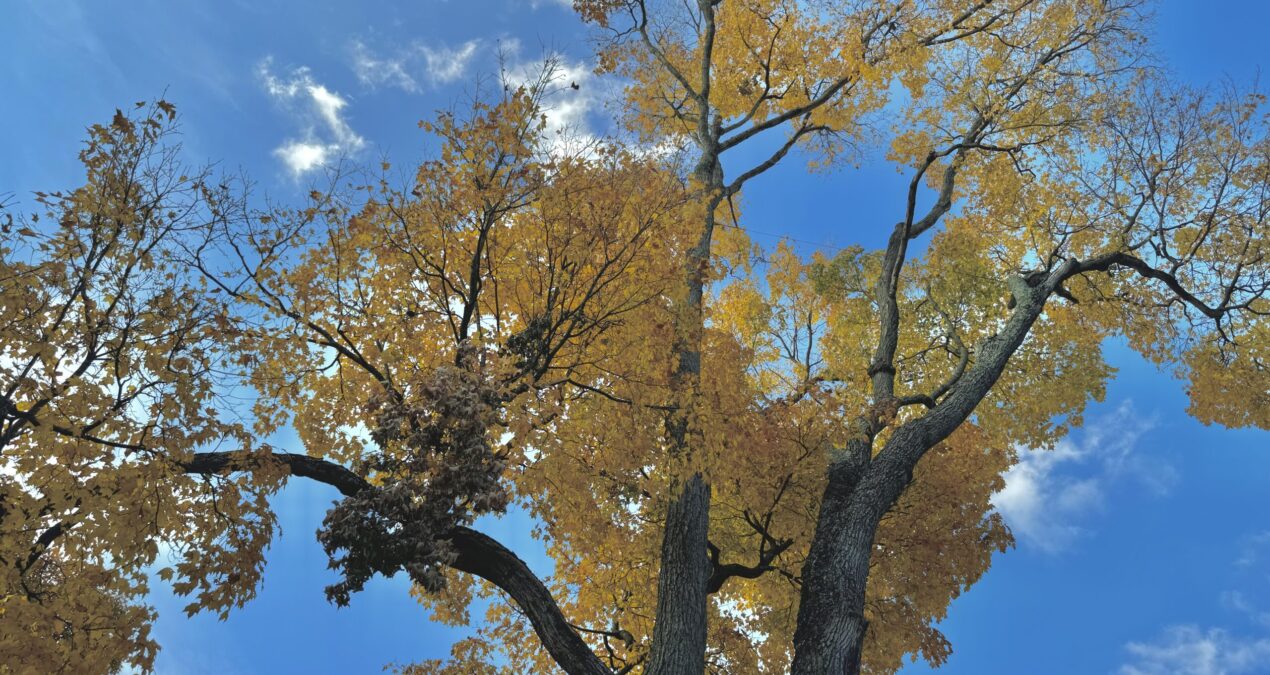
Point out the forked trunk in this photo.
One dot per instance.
(862, 487)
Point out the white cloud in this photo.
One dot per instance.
(1187, 650)
(406, 68)
(572, 94)
(302, 157)
(448, 65)
(1049, 493)
(1028, 499)
(328, 106)
(324, 132)
(538, 4)
(375, 72)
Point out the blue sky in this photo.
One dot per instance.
(1144, 539)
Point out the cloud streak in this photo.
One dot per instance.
(1237, 601)
(1252, 549)
(1048, 494)
(571, 93)
(1188, 650)
(324, 132)
(413, 67)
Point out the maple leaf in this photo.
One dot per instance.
(121, 122)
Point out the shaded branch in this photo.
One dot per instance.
(477, 554)
(769, 550)
(1104, 263)
(722, 572)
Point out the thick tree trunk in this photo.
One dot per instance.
(830, 633)
(832, 637)
(831, 623)
(679, 636)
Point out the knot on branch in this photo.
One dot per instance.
(437, 470)
(883, 412)
(880, 367)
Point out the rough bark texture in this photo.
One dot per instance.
(831, 625)
(679, 636)
(478, 554)
(834, 614)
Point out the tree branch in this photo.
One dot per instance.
(722, 572)
(1105, 262)
(477, 554)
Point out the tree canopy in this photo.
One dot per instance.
(740, 459)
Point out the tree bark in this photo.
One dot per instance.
(486, 558)
(830, 633)
(679, 635)
(679, 628)
(831, 609)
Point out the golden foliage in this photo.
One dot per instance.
(506, 328)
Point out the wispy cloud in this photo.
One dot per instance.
(324, 132)
(539, 4)
(1188, 650)
(448, 65)
(1239, 602)
(1253, 548)
(411, 68)
(1049, 494)
(571, 92)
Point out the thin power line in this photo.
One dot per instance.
(789, 238)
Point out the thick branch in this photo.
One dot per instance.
(722, 572)
(42, 544)
(477, 554)
(320, 470)
(1105, 262)
(484, 557)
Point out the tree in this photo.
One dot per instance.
(741, 460)
(108, 375)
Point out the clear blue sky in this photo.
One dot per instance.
(1144, 540)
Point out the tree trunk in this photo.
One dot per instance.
(679, 629)
(679, 635)
(830, 632)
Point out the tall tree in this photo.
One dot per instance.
(1010, 112)
(741, 460)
